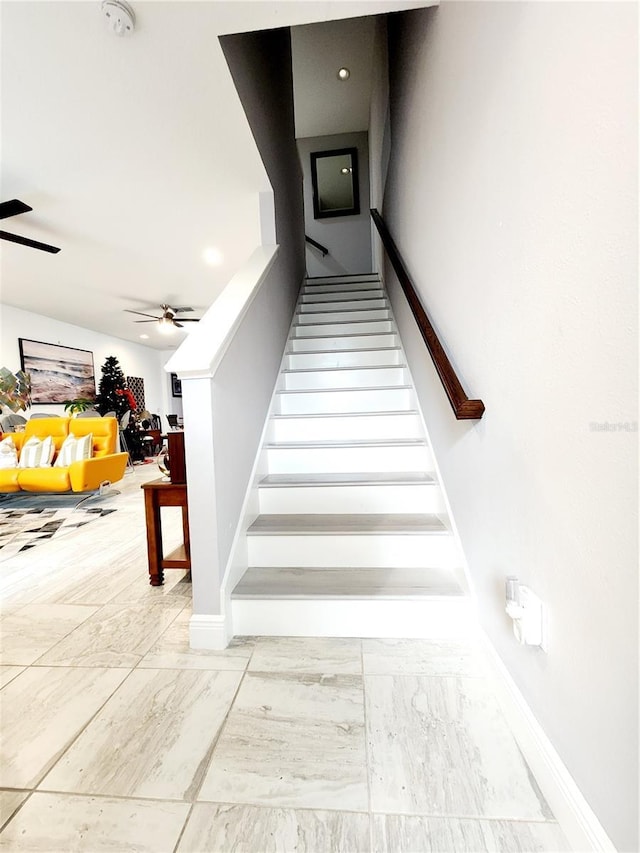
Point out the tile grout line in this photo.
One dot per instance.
(368, 766)
(208, 758)
(40, 779)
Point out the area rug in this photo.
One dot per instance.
(29, 520)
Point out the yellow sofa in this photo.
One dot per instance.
(84, 476)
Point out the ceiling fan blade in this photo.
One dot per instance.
(146, 321)
(141, 314)
(188, 320)
(179, 325)
(185, 308)
(24, 241)
(13, 208)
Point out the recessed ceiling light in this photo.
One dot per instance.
(212, 256)
(144, 337)
(343, 74)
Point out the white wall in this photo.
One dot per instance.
(379, 131)
(135, 360)
(512, 195)
(348, 238)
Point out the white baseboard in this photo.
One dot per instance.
(574, 815)
(209, 632)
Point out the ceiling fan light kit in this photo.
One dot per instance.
(120, 17)
(168, 322)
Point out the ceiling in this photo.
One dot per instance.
(134, 154)
(324, 104)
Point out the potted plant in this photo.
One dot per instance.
(15, 389)
(80, 404)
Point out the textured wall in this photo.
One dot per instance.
(512, 194)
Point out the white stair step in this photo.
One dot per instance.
(343, 305)
(344, 358)
(427, 617)
(345, 427)
(344, 400)
(315, 298)
(331, 343)
(323, 583)
(353, 456)
(350, 541)
(360, 278)
(343, 327)
(344, 377)
(360, 287)
(353, 315)
(377, 492)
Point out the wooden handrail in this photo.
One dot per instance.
(463, 407)
(317, 245)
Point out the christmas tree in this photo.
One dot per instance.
(114, 396)
(111, 392)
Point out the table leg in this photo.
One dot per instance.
(154, 539)
(185, 531)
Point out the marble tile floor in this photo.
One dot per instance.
(116, 736)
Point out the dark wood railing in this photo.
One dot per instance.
(317, 245)
(463, 407)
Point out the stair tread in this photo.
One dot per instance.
(340, 583)
(342, 351)
(400, 478)
(346, 335)
(343, 322)
(333, 390)
(361, 523)
(349, 442)
(300, 313)
(378, 413)
(351, 296)
(289, 370)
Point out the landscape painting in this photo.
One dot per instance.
(57, 373)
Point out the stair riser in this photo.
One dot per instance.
(368, 358)
(347, 282)
(351, 499)
(345, 460)
(345, 342)
(373, 377)
(343, 305)
(340, 296)
(355, 316)
(345, 428)
(431, 619)
(314, 330)
(328, 402)
(367, 550)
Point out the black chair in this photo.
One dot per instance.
(173, 421)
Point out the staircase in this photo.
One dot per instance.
(352, 537)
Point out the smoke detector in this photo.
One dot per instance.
(119, 16)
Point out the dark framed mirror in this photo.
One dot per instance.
(334, 175)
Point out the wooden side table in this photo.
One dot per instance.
(159, 493)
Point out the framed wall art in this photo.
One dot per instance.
(176, 386)
(58, 373)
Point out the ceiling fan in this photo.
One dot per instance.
(13, 208)
(168, 319)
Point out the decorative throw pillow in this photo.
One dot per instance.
(74, 450)
(36, 453)
(8, 454)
